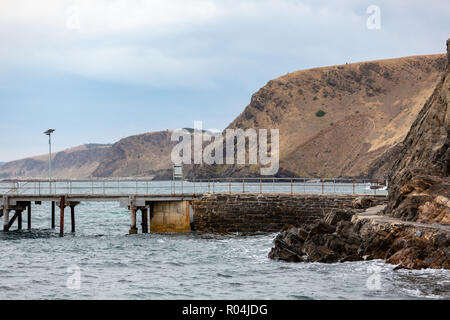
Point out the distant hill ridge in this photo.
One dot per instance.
(77, 162)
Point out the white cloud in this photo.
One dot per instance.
(190, 42)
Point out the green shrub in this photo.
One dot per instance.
(320, 113)
(315, 98)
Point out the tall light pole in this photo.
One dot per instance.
(49, 134)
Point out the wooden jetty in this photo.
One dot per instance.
(164, 206)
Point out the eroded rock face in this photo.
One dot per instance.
(423, 199)
(419, 182)
(406, 246)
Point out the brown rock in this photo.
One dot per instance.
(407, 258)
(363, 203)
(321, 227)
(435, 211)
(283, 251)
(335, 216)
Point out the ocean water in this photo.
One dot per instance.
(110, 264)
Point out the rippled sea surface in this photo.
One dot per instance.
(114, 265)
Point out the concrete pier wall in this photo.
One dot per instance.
(170, 216)
(212, 213)
(223, 213)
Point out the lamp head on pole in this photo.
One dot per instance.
(49, 132)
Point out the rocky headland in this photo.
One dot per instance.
(413, 230)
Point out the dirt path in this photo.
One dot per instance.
(374, 214)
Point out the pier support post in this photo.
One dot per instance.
(6, 219)
(62, 205)
(53, 214)
(133, 229)
(29, 216)
(144, 212)
(72, 216)
(19, 219)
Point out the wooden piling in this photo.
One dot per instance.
(72, 217)
(53, 214)
(61, 216)
(6, 219)
(13, 219)
(29, 216)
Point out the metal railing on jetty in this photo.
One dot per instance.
(133, 186)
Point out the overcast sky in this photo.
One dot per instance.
(98, 71)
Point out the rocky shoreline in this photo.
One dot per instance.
(350, 236)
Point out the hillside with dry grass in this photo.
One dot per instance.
(346, 120)
(144, 155)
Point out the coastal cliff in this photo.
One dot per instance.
(419, 188)
(413, 231)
